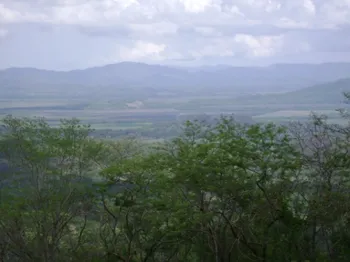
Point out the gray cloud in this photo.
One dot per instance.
(78, 33)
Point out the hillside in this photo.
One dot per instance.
(143, 80)
(327, 93)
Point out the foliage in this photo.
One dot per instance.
(220, 191)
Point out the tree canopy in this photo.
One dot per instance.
(220, 191)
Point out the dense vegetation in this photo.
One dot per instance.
(218, 192)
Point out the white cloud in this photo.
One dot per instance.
(309, 6)
(265, 5)
(141, 51)
(245, 45)
(109, 12)
(8, 15)
(197, 6)
(160, 30)
(336, 12)
(262, 46)
(14, 15)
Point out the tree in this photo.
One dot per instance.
(230, 185)
(323, 188)
(47, 201)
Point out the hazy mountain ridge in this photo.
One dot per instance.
(325, 93)
(111, 78)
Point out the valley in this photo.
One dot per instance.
(145, 98)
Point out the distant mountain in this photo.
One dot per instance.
(150, 79)
(326, 93)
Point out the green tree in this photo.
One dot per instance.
(47, 199)
(230, 185)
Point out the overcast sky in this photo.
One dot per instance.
(67, 34)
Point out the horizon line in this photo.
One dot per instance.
(171, 66)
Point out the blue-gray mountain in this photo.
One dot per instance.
(128, 76)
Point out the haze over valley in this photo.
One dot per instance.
(131, 96)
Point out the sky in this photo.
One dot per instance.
(70, 34)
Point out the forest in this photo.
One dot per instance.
(218, 192)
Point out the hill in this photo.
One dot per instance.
(326, 93)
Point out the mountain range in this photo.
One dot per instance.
(111, 79)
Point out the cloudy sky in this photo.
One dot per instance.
(67, 34)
